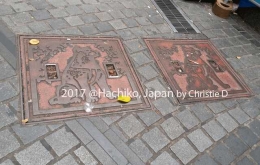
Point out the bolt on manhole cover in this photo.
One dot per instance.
(196, 71)
(60, 74)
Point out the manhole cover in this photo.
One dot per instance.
(60, 74)
(196, 71)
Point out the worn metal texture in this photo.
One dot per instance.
(196, 71)
(60, 74)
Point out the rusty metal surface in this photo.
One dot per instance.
(197, 69)
(61, 73)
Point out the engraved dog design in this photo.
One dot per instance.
(199, 73)
(82, 74)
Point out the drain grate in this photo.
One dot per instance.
(174, 17)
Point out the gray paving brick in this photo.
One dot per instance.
(58, 3)
(149, 117)
(164, 28)
(74, 2)
(91, 1)
(236, 63)
(251, 73)
(5, 10)
(58, 13)
(243, 40)
(39, 4)
(74, 20)
(99, 123)
(117, 24)
(187, 119)
(34, 154)
(130, 22)
(7, 162)
(21, 18)
(172, 128)
(156, 19)
(22, 7)
(21, 30)
(143, 21)
(29, 133)
(131, 126)
(7, 91)
(216, 107)
(227, 122)
(72, 31)
(90, 18)
(141, 13)
(200, 140)
(247, 136)
(255, 154)
(255, 127)
(69, 160)
(229, 103)
(88, 29)
(103, 141)
(55, 126)
(240, 116)
(89, 8)
(155, 139)
(164, 158)
(74, 10)
(251, 49)
(214, 130)
(129, 12)
(221, 42)
(85, 156)
(236, 145)
(222, 154)
(164, 106)
(233, 52)
(151, 30)
(134, 45)
(103, 7)
(119, 133)
(109, 119)
(61, 141)
(148, 72)
(123, 148)
(79, 131)
(38, 27)
(8, 143)
(128, 4)
(104, 26)
(205, 160)
(126, 34)
(117, 14)
(6, 70)
(40, 15)
(139, 31)
(140, 58)
(100, 154)
(245, 161)
(104, 16)
(141, 150)
(58, 23)
(251, 107)
(250, 60)
(116, 6)
(201, 112)
(184, 151)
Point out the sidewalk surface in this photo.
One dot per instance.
(220, 132)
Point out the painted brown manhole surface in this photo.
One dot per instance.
(60, 74)
(196, 71)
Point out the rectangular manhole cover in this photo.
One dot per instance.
(60, 74)
(196, 71)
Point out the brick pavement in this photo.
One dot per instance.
(222, 132)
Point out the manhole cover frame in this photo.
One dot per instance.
(25, 91)
(166, 77)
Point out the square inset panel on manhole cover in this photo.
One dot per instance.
(60, 74)
(196, 71)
